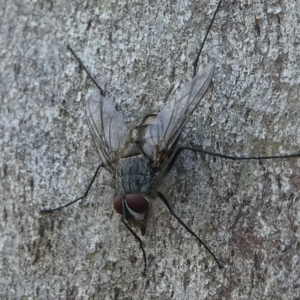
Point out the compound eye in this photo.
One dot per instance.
(118, 205)
(136, 206)
(137, 203)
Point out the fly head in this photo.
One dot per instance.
(135, 209)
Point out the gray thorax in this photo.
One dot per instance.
(134, 175)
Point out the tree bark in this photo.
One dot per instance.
(140, 53)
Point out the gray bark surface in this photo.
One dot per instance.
(141, 52)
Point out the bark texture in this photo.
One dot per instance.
(141, 52)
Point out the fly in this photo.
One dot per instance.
(140, 157)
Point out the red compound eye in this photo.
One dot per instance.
(137, 203)
(134, 202)
(118, 205)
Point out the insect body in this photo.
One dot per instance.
(139, 165)
(140, 157)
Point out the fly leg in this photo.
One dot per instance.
(165, 201)
(50, 210)
(195, 64)
(140, 242)
(199, 150)
(196, 149)
(86, 70)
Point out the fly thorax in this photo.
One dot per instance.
(134, 175)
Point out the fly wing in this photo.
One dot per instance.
(164, 131)
(107, 127)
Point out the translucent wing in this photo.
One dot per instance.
(107, 127)
(163, 132)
